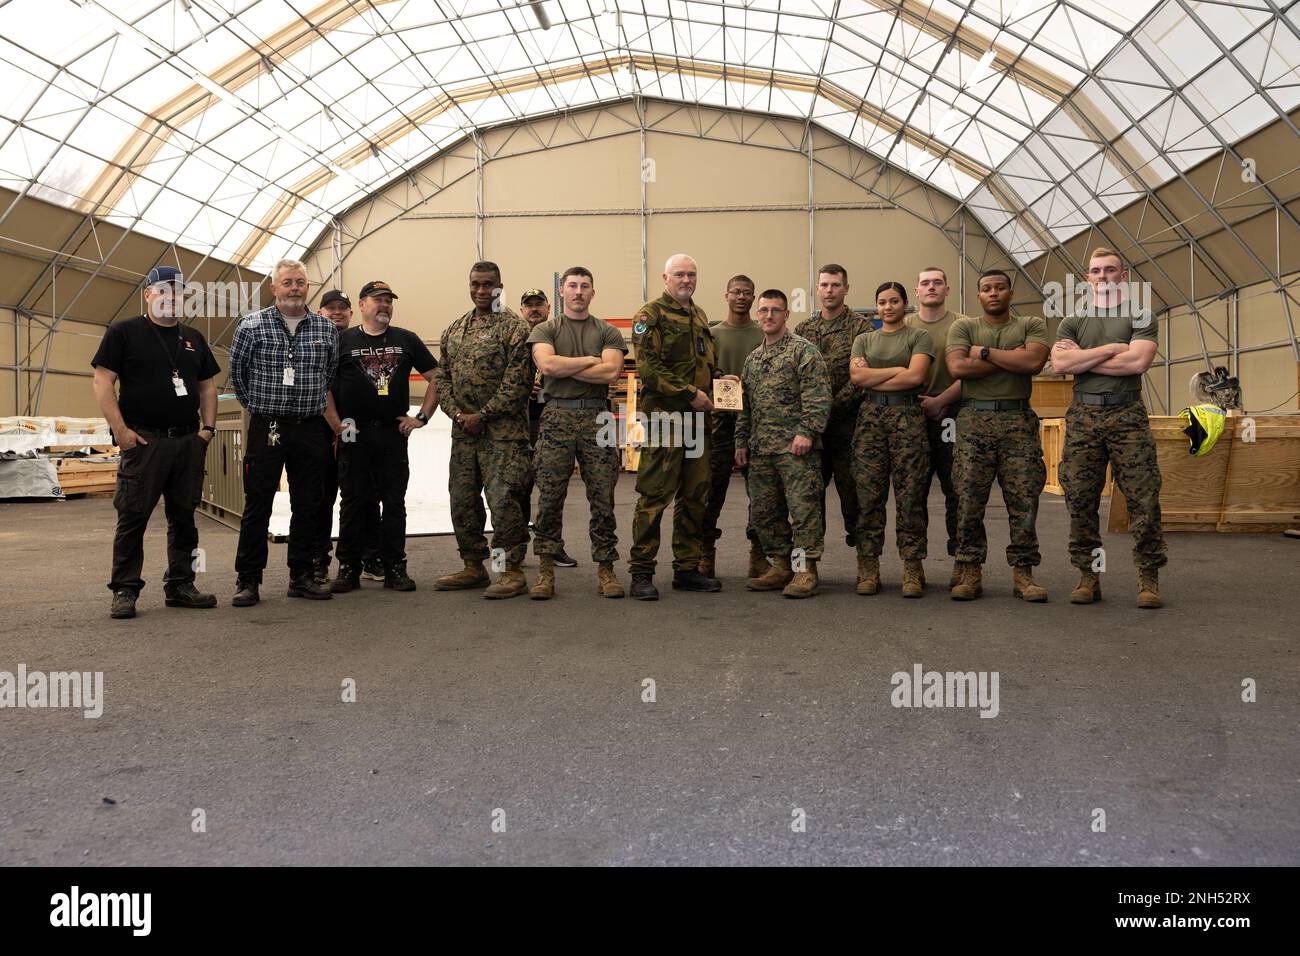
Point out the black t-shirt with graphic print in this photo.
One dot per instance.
(365, 361)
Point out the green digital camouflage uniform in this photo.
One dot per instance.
(1118, 435)
(486, 368)
(787, 392)
(834, 339)
(733, 345)
(1004, 444)
(941, 450)
(584, 435)
(674, 357)
(891, 442)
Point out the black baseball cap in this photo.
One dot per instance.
(164, 274)
(374, 287)
(335, 295)
(533, 294)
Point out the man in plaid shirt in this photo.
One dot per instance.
(281, 364)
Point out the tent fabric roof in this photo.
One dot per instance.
(240, 128)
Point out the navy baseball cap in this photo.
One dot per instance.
(164, 274)
(335, 295)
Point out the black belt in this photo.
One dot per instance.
(892, 398)
(578, 402)
(287, 419)
(999, 405)
(176, 431)
(1108, 398)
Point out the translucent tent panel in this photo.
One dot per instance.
(242, 127)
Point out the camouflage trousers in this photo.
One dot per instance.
(479, 467)
(722, 459)
(1121, 436)
(568, 435)
(941, 455)
(784, 493)
(890, 443)
(837, 464)
(1005, 445)
(665, 474)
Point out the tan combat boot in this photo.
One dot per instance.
(606, 584)
(474, 575)
(1149, 588)
(544, 588)
(708, 558)
(804, 584)
(758, 563)
(511, 583)
(1088, 589)
(913, 579)
(970, 583)
(1025, 587)
(777, 576)
(868, 575)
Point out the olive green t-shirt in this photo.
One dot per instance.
(940, 377)
(1092, 331)
(1018, 330)
(733, 344)
(884, 349)
(573, 338)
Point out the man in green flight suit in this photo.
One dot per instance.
(676, 364)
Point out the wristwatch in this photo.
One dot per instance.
(422, 417)
(209, 428)
(984, 354)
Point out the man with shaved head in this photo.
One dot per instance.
(676, 363)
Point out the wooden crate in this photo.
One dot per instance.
(85, 476)
(1240, 486)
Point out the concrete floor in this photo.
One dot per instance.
(763, 706)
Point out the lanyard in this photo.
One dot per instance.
(284, 327)
(174, 359)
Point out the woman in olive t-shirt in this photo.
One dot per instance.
(892, 364)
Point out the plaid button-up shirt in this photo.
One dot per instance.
(260, 353)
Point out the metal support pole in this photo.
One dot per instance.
(641, 175)
(478, 191)
(812, 210)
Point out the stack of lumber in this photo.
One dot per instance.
(96, 474)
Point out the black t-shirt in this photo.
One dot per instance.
(367, 361)
(144, 371)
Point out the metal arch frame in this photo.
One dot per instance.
(618, 109)
(1108, 146)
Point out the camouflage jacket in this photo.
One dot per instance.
(834, 339)
(787, 393)
(486, 368)
(674, 351)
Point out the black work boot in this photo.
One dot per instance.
(396, 577)
(301, 584)
(187, 595)
(643, 588)
(372, 569)
(245, 593)
(349, 579)
(694, 581)
(562, 560)
(123, 603)
(321, 570)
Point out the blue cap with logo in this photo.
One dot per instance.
(164, 274)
